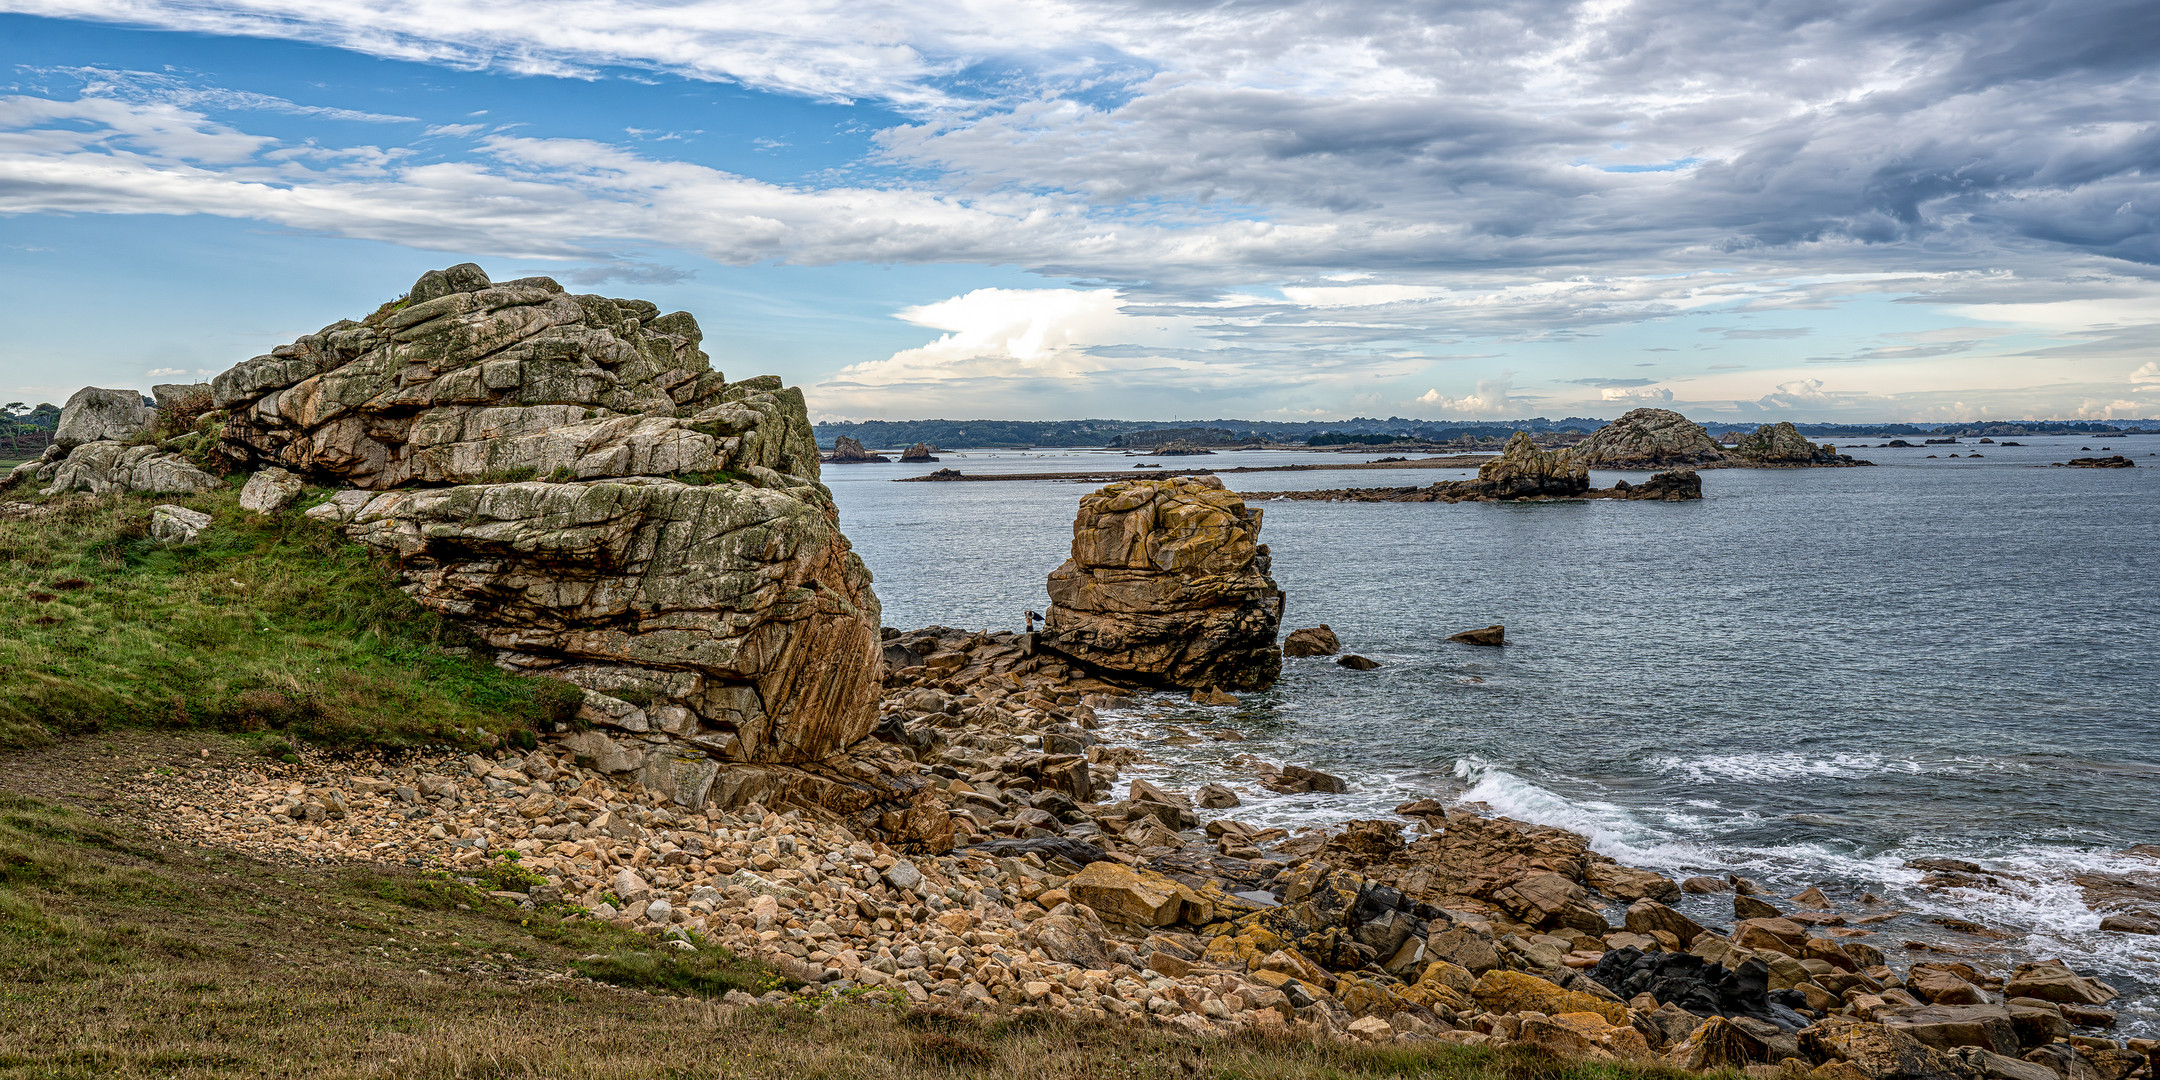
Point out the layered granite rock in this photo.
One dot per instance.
(1650, 439)
(731, 616)
(618, 515)
(469, 381)
(1168, 586)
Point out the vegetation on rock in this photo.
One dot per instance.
(271, 625)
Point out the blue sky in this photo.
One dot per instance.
(1810, 211)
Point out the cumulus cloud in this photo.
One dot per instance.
(1493, 398)
(2147, 373)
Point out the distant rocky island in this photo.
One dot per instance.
(1522, 473)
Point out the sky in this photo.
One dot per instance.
(1747, 210)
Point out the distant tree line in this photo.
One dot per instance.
(26, 431)
(1358, 431)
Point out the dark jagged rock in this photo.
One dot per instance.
(1687, 980)
(2116, 461)
(1495, 634)
(919, 452)
(1524, 472)
(1781, 444)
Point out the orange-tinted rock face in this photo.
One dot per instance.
(1168, 585)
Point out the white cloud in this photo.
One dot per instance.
(163, 372)
(1491, 399)
(1636, 396)
(2149, 372)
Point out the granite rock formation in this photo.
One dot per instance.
(919, 452)
(470, 381)
(1781, 444)
(1650, 439)
(847, 451)
(617, 514)
(103, 443)
(1168, 586)
(1524, 471)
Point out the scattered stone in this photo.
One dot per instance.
(176, 524)
(269, 491)
(1356, 663)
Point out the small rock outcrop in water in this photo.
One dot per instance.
(1495, 634)
(1781, 444)
(1523, 471)
(918, 452)
(848, 451)
(727, 613)
(2116, 461)
(1168, 585)
(1650, 439)
(1312, 641)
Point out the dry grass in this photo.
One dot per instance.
(126, 956)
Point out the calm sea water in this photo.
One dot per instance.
(1808, 677)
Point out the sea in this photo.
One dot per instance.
(1808, 678)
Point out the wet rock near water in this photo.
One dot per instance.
(2113, 461)
(1312, 641)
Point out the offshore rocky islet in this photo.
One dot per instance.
(965, 852)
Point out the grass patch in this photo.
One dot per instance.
(211, 964)
(274, 626)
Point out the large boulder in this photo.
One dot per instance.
(1649, 439)
(468, 381)
(94, 414)
(1168, 585)
(1782, 444)
(618, 515)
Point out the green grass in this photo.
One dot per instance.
(122, 955)
(277, 626)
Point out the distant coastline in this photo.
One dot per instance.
(1415, 434)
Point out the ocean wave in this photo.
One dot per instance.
(1611, 829)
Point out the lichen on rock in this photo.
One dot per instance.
(569, 478)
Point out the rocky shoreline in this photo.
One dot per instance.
(743, 755)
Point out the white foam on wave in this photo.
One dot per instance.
(1781, 766)
(1777, 766)
(1611, 829)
